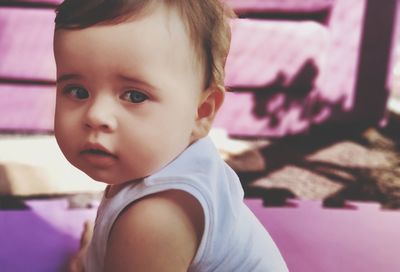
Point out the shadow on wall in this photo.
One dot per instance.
(297, 90)
(350, 84)
(296, 95)
(283, 95)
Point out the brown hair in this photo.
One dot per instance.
(207, 22)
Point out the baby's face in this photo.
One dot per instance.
(127, 95)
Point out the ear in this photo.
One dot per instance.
(210, 102)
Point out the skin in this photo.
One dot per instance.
(130, 98)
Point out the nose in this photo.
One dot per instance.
(100, 116)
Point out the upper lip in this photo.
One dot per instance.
(96, 147)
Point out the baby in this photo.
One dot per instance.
(138, 85)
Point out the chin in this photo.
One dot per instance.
(96, 175)
(111, 180)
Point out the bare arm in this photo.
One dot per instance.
(158, 233)
(76, 263)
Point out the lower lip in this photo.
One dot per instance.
(98, 160)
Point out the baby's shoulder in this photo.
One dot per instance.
(161, 227)
(168, 207)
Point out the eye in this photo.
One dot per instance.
(134, 96)
(77, 93)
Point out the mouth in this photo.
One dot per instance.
(98, 155)
(98, 152)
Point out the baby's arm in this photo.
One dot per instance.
(76, 264)
(158, 233)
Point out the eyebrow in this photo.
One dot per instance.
(68, 77)
(136, 81)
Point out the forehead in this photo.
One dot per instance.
(154, 45)
(158, 24)
(159, 33)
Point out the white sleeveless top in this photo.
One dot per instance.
(233, 238)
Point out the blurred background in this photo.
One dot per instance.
(312, 108)
(312, 111)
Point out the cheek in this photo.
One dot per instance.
(177, 122)
(61, 125)
(58, 126)
(176, 127)
(62, 137)
(65, 127)
(66, 117)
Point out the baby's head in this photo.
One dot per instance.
(206, 21)
(137, 81)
